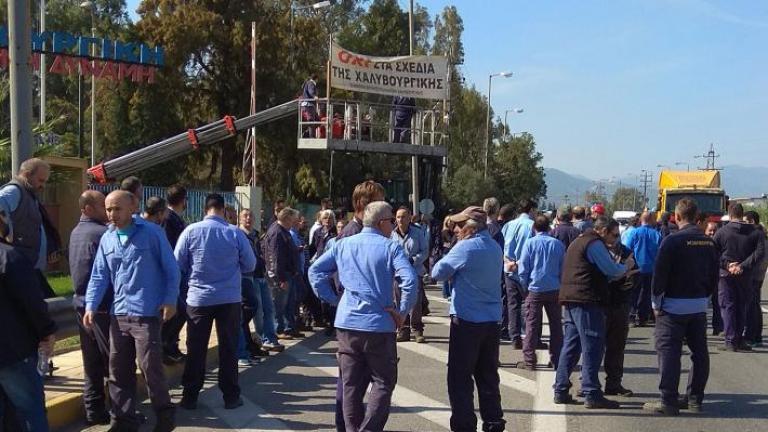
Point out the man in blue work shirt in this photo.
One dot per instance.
(587, 269)
(516, 233)
(94, 341)
(364, 193)
(309, 104)
(644, 243)
(213, 255)
(473, 265)
(685, 276)
(366, 317)
(135, 259)
(540, 267)
(416, 247)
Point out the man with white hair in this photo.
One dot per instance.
(32, 233)
(366, 318)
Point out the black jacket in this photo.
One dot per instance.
(620, 290)
(281, 254)
(566, 233)
(686, 266)
(582, 281)
(24, 318)
(742, 243)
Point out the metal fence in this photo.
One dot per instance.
(195, 199)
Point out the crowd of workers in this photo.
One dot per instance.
(140, 278)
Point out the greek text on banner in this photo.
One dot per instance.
(423, 77)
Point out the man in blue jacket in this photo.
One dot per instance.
(644, 243)
(213, 255)
(366, 317)
(685, 276)
(540, 268)
(134, 257)
(473, 350)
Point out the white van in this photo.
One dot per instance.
(623, 217)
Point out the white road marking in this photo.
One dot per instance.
(403, 397)
(248, 418)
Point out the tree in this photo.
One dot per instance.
(467, 187)
(516, 170)
(626, 198)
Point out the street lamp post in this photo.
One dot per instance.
(515, 111)
(42, 65)
(92, 6)
(488, 119)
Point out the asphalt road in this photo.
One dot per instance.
(295, 391)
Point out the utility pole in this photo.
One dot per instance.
(20, 50)
(414, 159)
(710, 157)
(42, 65)
(646, 181)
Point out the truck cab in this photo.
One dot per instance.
(703, 186)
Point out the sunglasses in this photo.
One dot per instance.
(392, 220)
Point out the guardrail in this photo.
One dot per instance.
(61, 310)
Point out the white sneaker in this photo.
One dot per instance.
(245, 362)
(274, 347)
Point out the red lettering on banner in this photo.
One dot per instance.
(73, 65)
(127, 70)
(58, 66)
(348, 58)
(109, 71)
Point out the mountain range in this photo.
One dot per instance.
(738, 181)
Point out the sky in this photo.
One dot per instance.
(610, 88)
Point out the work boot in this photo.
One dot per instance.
(564, 398)
(404, 335)
(600, 402)
(166, 420)
(517, 343)
(188, 402)
(419, 337)
(659, 407)
(235, 403)
(686, 403)
(525, 366)
(618, 391)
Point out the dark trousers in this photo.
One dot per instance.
(201, 319)
(131, 339)
(641, 298)
(534, 303)
(734, 295)
(473, 352)
(94, 346)
(670, 331)
(717, 318)
(584, 336)
(364, 358)
(753, 329)
(616, 332)
(172, 328)
(22, 405)
(515, 298)
(414, 319)
(313, 310)
(504, 310)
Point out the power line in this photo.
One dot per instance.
(710, 158)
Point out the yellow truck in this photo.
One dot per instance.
(701, 185)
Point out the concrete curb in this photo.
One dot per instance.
(67, 409)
